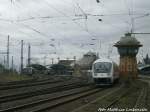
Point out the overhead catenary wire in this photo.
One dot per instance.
(85, 29)
(59, 11)
(35, 30)
(39, 32)
(130, 13)
(85, 16)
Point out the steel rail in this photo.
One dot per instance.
(20, 96)
(55, 101)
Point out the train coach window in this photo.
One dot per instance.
(102, 67)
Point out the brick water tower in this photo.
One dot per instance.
(128, 47)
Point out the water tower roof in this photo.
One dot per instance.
(128, 40)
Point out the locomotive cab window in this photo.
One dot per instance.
(102, 67)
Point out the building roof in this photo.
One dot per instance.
(90, 54)
(87, 60)
(66, 62)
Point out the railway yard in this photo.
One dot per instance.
(72, 94)
(59, 56)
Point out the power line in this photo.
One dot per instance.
(85, 17)
(127, 6)
(33, 18)
(133, 21)
(35, 30)
(139, 33)
(69, 18)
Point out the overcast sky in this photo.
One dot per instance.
(66, 28)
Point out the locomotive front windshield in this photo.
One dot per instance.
(102, 67)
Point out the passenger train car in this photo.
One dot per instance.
(105, 72)
(28, 71)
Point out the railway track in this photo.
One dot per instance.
(18, 82)
(139, 103)
(27, 85)
(58, 87)
(87, 107)
(142, 98)
(33, 82)
(116, 100)
(27, 88)
(46, 104)
(24, 81)
(134, 97)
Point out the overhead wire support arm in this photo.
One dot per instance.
(85, 15)
(140, 33)
(59, 11)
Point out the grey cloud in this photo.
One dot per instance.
(39, 21)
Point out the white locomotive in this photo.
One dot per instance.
(105, 72)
